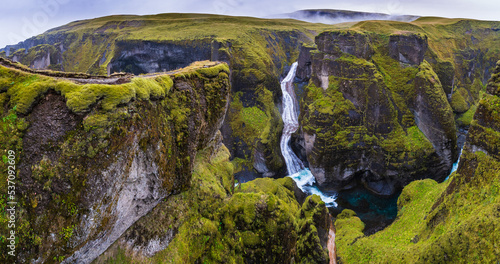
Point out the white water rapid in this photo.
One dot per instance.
(296, 170)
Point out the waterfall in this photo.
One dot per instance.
(455, 165)
(290, 121)
(296, 170)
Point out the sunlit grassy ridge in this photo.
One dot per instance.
(173, 26)
(446, 36)
(89, 41)
(25, 88)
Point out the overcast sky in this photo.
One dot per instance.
(21, 19)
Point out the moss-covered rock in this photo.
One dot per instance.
(94, 158)
(376, 121)
(258, 221)
(458, 102)
(456, 221)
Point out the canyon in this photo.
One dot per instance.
(175, 148)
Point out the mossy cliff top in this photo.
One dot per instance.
(460, 49)
(24, 86)
(93, 158)
(457, 221)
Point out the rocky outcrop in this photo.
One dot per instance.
(304, 63)
(408, 48)
(90, 169)
(484, 133)
(215, 221)
(39, 57)
(350, 42)
(434, 117)
(467, 206)
(356, 131)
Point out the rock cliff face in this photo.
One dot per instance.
(303, 72)
(146, 56)
(409, 48)
(454, 221)
(95, 158)
(484, 133)
(338, 42)
(360, 125)
(433, 116)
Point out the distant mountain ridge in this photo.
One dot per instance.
(334, 16)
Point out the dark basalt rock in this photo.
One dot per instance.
(408, 48)
(304, 64)
(335, 42)
(145, 56)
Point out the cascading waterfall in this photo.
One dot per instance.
(296, 170)
(290, 121)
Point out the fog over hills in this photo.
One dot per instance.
(334, 16)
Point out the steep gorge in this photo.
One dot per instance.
(381, 104)
(256, 53)
(380, 108)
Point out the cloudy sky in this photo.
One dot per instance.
(21, 19)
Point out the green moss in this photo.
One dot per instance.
(458, 102)
(331, 102)
(12, 130)
(430, 87)
(257, 222)
(213, 71)
(413, 142)
(24, 89)
(449, 222)
(476, 88)
(466, 118)
(309, 248)
(147, 88)
(254, 118)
